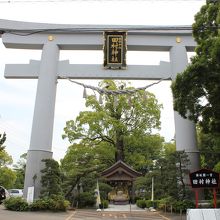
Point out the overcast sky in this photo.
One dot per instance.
(17, 97)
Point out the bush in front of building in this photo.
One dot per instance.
(16, 204)
(105, 204)
(141, 203)
(168, 205)
(86, 199)
(53, 203)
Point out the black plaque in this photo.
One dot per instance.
(115, 50)
(204, 179)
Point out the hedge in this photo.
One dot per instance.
(54, 203)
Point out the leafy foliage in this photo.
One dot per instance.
(51, 178)
(209, 146)
(16, 204)
(172, 170)
(7, 177)
(19, 169)
(111, 122)
(168, 173)
(5, 158)
(109, 132)
(86, 199)
(104, 189)
(197, 90)
(53, 203)
(176, 205)
(81, 166)
(142, 150)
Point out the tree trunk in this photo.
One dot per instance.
(119, 153)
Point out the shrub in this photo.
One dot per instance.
(211, 203)
(176, 206)
(85, 199)
(141, 203)
(150, 203)
(16, 204)
(104, 190)
(39, 204)
(183, 205)
(53, 203)
(59, 203)
(105, 204)
(165, 203)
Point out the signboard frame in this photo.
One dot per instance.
(204, 178)
(115, 48)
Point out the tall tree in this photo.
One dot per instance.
(119, 117)
(51, 178)
(19, 169)
(143, 150)
(169, 174)
(7, 175)
(81, 166)
(196, 91)
(209, 147)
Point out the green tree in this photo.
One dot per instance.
(143, 150)
(81, 166)
(196, 91)
(19, 169)
(118, 129)
(209, 147)
(169, 174)
(5, 159)
(7, 176)
(116, 119)
(217, 167)
(51, 178)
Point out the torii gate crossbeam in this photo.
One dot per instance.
(51, 38)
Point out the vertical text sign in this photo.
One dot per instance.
(115, 50)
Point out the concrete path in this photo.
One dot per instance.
(11, 215)
(119, 215)
(128, 207)
(113, 212)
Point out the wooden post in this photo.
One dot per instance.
(214, 198)
(197, 198)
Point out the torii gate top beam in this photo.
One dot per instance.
(28, 35)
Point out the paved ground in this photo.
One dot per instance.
(109, 215)
(118, 212)
(11, 215)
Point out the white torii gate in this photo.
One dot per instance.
(51, 38)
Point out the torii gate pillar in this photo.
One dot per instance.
(43, 119)
(185, 135)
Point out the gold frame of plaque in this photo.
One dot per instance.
(115, 48)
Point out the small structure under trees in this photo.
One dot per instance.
(121, 177)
